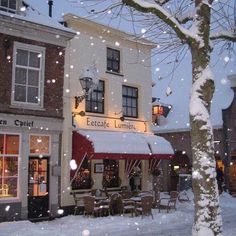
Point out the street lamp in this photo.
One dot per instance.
(159, 109)
(88, 80)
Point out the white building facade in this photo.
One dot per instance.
(107, 136)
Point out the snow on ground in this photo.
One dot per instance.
(175, 223)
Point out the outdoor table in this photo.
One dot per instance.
(136, 199)
(100, 198)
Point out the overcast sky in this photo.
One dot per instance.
(180, 83)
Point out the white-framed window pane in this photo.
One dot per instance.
(32, 95)
(29, 71)
(21, 75)
(34, 59)
(33, 77)
(22, 57)
(20, 93)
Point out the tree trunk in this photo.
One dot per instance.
(207, 213)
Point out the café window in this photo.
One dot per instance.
(82, 178)
(130, 101)
(9, 157)
(39, 145)
(111, 173)
(95, 100)
(113, 60)
(8, 5)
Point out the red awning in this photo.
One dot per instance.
(119, 145)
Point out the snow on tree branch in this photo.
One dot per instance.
(225, 35)
(156, 9)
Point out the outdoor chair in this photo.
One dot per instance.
(116, 204)
(145, 208)
(79, 204)
(129, 207)
(126, 194)
(168, 203)
(89, 206)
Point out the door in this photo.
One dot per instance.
(38, 184)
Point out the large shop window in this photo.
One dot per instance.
(130, 101)
(82, 178)
(28, 74)
(9, 156)
(111, 173)
(95, 100)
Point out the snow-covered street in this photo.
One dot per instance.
(175, 223)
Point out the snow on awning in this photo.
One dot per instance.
(119, 145)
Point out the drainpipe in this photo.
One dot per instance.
(50, 3)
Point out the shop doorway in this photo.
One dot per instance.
(38, 185)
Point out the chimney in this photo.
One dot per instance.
(50, 3)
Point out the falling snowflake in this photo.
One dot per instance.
(168, 91)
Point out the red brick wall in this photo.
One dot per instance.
(54, 69)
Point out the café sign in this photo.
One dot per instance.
(29, 122)
(108, 123)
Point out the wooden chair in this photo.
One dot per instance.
(126, 194)
(89, 206)
(128, 207)
(116, 204)
(168, 203)
(146, 206)
(79, 204)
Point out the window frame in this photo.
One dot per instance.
(2, 199)
(132, 98)
(41, 76)
(8, 9)
(89, 101)
(113, 60)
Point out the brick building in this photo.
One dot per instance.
(224, 141)
(31, 116)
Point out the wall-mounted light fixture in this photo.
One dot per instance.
(88, 79)
(122, 118)
(159, 109)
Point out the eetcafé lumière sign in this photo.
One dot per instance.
(107, 123)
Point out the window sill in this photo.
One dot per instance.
(35, 108)
(114, 73)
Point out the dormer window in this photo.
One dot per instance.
(8, 5)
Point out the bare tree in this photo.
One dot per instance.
(196, 26)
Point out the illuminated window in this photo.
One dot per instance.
(111, 173)
(39, 144)
(9, 156)
(82, 180)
